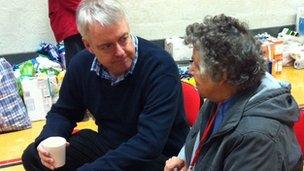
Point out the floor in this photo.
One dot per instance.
(296, 78)
(12, 144)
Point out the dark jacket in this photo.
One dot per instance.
(256, 133)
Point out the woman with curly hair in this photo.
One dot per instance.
(246, 120)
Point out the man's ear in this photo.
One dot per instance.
(87, 45)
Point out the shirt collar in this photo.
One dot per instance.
(103, 72)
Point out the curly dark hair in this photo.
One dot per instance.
(227, 47)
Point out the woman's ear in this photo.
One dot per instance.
(224, 79)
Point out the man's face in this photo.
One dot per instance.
(205, 85)
(112, 46)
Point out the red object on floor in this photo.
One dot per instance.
(9, 163)
(191, 102)
(299, 129)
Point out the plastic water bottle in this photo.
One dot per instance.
(301, 26)
(300, 21)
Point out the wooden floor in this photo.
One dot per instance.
(296, 78)
(12, 144)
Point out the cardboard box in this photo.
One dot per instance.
(37, 97)
(177, 49)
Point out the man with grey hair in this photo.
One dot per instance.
(132, 89)
(246, 121)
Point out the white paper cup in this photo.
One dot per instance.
(56, 147)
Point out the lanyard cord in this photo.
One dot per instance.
(205, 135)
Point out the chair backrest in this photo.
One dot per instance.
(299, 129)
(191, 102)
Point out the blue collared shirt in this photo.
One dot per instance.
(104, 73)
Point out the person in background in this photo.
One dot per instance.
(132, 89)
(62, 14)
(246, 121)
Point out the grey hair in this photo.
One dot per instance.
(104, 12)
(226, 47)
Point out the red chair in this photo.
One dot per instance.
(299, 129)
(191, 102)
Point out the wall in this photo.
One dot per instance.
(24, 23)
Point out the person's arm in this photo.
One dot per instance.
(70, 5)
(154, 125)
(253, 151)
(68, 110)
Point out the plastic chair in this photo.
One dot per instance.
(192, 102)
(299, 129)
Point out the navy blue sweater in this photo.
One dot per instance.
(142, 116)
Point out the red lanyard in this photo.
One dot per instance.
(204, 136)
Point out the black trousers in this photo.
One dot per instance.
(72, 45)
(85, 147)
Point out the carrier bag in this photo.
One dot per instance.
(13, 114)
